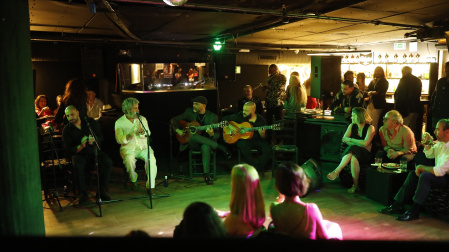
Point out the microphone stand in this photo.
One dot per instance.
(96, 165)
(147, 135)
(55, 193)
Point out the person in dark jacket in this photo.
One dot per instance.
(407, 99)
(377, 90)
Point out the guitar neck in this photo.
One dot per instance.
(216, 125)
(260, 127)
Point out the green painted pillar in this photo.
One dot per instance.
(21, 211)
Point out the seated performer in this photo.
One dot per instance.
(205, 142)
(258, 140)
(80, 143)
(419, 182)
(132, 136)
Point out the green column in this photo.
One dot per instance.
(21, 211)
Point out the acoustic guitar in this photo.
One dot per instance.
(190, 128)
(244, 130)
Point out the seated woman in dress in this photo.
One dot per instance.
(247, 215)
(358, 138)
(294, 218)
(296, 97)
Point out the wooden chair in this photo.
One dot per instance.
(195, 161)
(284, 143)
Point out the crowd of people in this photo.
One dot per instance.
(291, 217)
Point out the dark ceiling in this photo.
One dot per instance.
(262, 24)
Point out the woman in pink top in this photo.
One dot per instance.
(294, 218)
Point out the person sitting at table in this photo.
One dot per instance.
(93, 104)
(398, 140)
(358, 139)
(346, 99)
(296, 97)
(425, 177)
(40, 106)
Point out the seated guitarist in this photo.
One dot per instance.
(205, 142)
(257, 141)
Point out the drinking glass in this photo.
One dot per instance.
(403, 165)
(378, 161)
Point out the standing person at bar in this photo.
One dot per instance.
(440, 98)
(407, 99)
(206, 142)
(80, 143)
(377, 90)
(296, 97)
(258, 140)
(248, 96)
(74, 94)
(275, 88)
(130, 134)
(419, 182)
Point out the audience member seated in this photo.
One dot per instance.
(247, 207)
(296, 97)
(348, 98)
(293, 217)
(94, 105)
(398, 140)
(200, 220)
(41, 108)
(425, 177)
(358, 139)
(248, 96)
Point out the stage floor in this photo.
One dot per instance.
(356, 214)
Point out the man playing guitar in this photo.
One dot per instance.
(205, 142)
(257, 141)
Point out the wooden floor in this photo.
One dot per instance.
(356, 214)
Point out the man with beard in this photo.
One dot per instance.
(81, 145)
(258, 140)
(206, 142)
(419, 182)
(131, 135)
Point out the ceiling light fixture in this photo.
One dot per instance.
(175, 2)
(337, 53)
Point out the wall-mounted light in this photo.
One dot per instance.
(175, 2)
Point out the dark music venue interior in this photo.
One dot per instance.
(136, 48)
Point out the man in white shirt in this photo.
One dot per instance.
(418, 183)
(94, 105)
(132, 136)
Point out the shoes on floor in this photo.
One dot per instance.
(353, 189)
(392, 210)
(225, 151)
(208, 180)
(408, 216)
(334, 177)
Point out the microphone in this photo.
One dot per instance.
(137, 114)
(85, 119)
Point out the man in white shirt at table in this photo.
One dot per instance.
(418, 183)
(130, 134)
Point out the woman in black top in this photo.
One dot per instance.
(358, 138)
